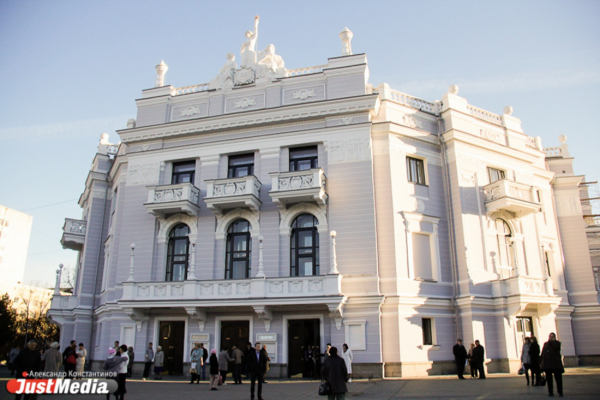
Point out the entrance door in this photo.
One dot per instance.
(524, 329)
(171, 340)
(301, 334)
(235, 333)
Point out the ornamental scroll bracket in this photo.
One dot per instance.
(335, 312)
(197, 314)
(137, 315)
(265, 314)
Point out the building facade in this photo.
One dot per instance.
(304, 207)
(15, 229)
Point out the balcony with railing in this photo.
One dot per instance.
(73, 236)
(298, 186)
(172, 199)
(243, 192)
(510, 196)
(522, 286)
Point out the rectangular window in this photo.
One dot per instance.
(427, 331)
(241, 165)
(183, 172)
(495, 174)
(422, 256)
(303, 158)
(416, 170)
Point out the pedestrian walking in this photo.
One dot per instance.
(70, 358)
(534, 355)
(264, 348)
(196, 362)
(335, 374)
(257, 366)
(472, 365)
(122, 376)
(159, 361)
(479, 358)
(148, 359)
(204, 361)
(112, 365)
(460, 358)
(80, 362)
(131, 355)
(14, 352)
(249, 350)
(552, 364)
(53, 358)
(224, 360)
(309, 361)
(28, 360)
(214, 370)
(526, 359)
(348, 358)
(238, 357)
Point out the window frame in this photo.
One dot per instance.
(501, 174)
(421, 170)
(171, 243)
(314, 160)
(414, 221)
(294, 247)
(232, 169)
(176, 175)
(229, 258)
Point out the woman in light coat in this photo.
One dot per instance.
(159, 360)
(348, 358)
(81, 356)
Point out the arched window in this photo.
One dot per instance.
(505, 254)
(304, 247)
(178, 253)
(239, 247)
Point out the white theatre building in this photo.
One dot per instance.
(308, 206)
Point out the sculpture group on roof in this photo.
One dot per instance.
(255, 64)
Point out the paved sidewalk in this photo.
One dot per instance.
(579, 383)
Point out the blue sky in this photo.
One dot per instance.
(71, 70)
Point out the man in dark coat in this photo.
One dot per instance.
(534, 358)
(67, 362)
(257, 367)
(552, 364)
(460, 358)
(29, 360)
(479, 358)
(335, 373)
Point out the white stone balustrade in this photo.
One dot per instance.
(529, 141)
(73, 236)
(553, 151)
(191, 89)
(520, 285)
(410, 101)
(171, 199)
(511, 196)
(229, 193)
(242, 289)
(485, 115)
(298, 186)
(60, 302)
(305, 71)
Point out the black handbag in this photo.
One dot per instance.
(323, 388)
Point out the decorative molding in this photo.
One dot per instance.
(224, 220)
(348, 150)
(167, 224)
(412, 121)
(467, 178)
(243, 76)
(288, 216)
(264, 314)
(346, 121)
(245, 102)
(492, 136)
(143, 174)
(303, 94)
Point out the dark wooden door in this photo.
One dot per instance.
(171, 340)
(301, 334)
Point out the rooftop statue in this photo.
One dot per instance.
(248, 50)
(270, 64)
(225, 77)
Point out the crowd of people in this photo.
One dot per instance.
(548, 361)
(545, 366)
